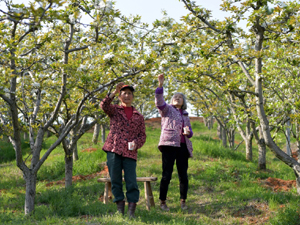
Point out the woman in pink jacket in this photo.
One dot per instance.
(174, 142)
(126, 136)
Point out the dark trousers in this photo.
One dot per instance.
(169, 155)
(116, 163)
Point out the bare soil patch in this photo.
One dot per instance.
(276, 184)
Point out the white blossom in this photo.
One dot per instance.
(108, 56)
(163, 62)
(264, 24)
(154, 72)
(143, 62)
(35, 84)
(33, 91)
(82, 67)
(242, 87)
(104, 5)
(72, 19)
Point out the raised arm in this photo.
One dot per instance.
(106, 102)
(161, 80)
(159, 95)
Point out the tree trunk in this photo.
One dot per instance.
(103, 132)
(249, 137)
(298, 151)
(30, 179)
(96, 133)
(248, 143)
(224, 137)
(262, 156)
(298, 142)
(211, 124)
(219, 131)
(26, 136)
(68, 169)
(204, 120)
(288, 138)
(75, 153)
(298, 184)
(231, 136)
(259, 138)
(262, 149)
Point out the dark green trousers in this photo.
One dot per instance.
(116, 163)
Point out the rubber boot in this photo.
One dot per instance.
(131, 209)
(121, 206)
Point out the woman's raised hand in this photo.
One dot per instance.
(161, 80)
(119, 86)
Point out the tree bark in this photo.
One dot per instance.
(75, 153)
(231, 136)
(224, 137)
(68, 169)
(248, 145)
(262, 156)
(288, 138)
(204, 120)
(26, 136)
(96, 133)
(210, 122)
(219, 131)
(259, 138)
(30, 180)
(262, 149)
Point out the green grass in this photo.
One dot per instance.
(224, 188)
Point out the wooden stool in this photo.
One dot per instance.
(147, 185)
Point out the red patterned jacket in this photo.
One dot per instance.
(123, 130)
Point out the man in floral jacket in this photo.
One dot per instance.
(126, 136)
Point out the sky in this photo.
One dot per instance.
(151, 10)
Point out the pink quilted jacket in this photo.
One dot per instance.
(172, 123)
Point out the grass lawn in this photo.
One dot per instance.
(224, 188)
